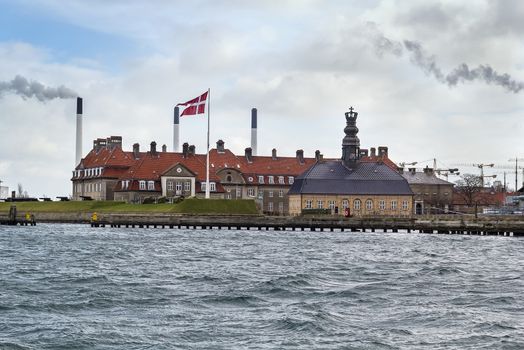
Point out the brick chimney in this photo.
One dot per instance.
(136, 150)
(114, 142)
(249, 154)
(428, 171)
(373, 152)
(220, 146)
(274, 154)
(318, 155)
(191, 150)
(383, 151)
(152, 150)
(300, 156)
(363, 152)
(164, 148)
(185, 149)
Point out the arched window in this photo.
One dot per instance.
(369, 204)
(356, 204)
(228, 178)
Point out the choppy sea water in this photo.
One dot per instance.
(76, 287)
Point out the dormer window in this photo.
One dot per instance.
(151, 185)
(281, 180)
(291, 179)
(271, 179)
(212, 187)
(260, 179)
(142, 185)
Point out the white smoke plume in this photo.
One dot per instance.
(28, 89)
(429, 65)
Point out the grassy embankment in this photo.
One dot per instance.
(188, 206)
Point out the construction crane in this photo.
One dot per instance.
(447, 172)
(403, 164)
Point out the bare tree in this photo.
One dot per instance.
(20, 193)
(467, 188)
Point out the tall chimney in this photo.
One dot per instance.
(220, 146)
(176, 131)
(185, 149)
(274, 154)
(78, 157)
(254, 131)
(373, 151)
(153, 148)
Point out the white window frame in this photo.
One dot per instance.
(142, 185)
(281, 193)
(345, 204)
(404, 205)
(260, 179)
(150, 185)
(331, 204)
(281, 180)
(320, 204)
(369, 204)
(393, 205)
(187, 186)
(309, 204)
(270, 206)
(357, 203)
(238, 192)
(382, 204)
(290, 180)
(270, 194)
(271, 179)
(170, 185)
(212, 187)
(178, 187)
(251, 192)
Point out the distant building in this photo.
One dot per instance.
(431, 194)
(364, 185)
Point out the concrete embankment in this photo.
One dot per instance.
(510, 226)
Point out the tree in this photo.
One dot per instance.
(467, 188)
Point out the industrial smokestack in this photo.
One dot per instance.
(176, 130)
(78, 130)
(254, 131)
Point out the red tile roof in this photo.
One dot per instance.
(378, 159)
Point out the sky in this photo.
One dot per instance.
(430, 79)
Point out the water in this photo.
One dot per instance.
(76, 287)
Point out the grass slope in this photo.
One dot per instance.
(188, 206)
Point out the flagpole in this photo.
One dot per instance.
(207, 158)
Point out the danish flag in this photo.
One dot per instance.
(196, 105)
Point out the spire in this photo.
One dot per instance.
(350, 142)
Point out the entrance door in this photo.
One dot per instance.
(418, 208)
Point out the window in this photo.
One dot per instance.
(270, 206)
(404, 205)
(187, 186)
(239, 192)
(251, 192)
(123, 185)
(228, 195)
(151, 185)
(394, 205)
(260, 194)
(291, 179)
(281, 180)
(382, 204)
(356, 204)
(331, 204)
(271, 179)
(203, 186)
(212, 186)
(178, 187)
(270, 194)
(309, 204)
(345, 204)
(170, 185)
(281, 193)
(281, 207)
(142, 185)
(320, 204)
(369, 204)
(260, 179)
(229, 178)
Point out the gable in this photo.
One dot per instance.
(178, 170)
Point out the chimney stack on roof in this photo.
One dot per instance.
(428, 171)
(300, 156)
(114, 142)
(412, 171)
(383, 151)
(164, 148)
(363, 152)
(373, 152)
(220, 146)
(274, 154)
(185, 149)
(318, 155)
(254, 131)
(136, 150)
(249, 155)
(153, 148)
(191, 150)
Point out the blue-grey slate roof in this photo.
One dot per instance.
(333, 177)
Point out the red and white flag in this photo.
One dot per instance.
(195, 106)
